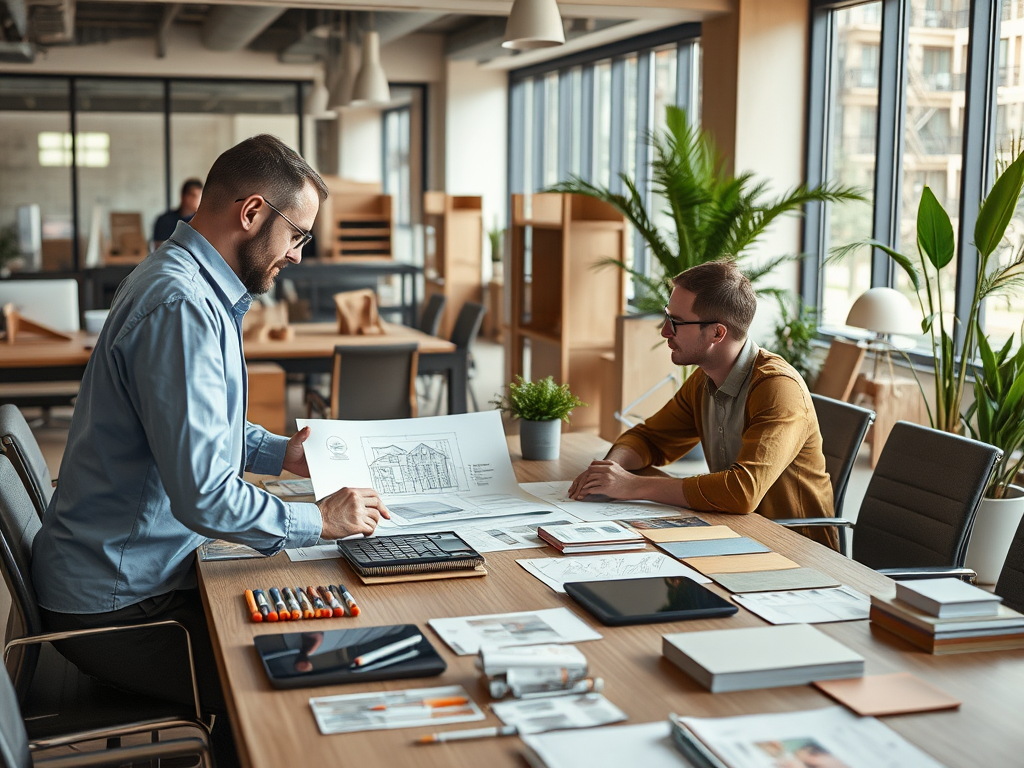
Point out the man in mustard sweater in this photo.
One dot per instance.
(749, 409)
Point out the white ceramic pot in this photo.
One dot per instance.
(539, 440)
(994, 527)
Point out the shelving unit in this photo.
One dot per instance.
(563, 310)
(453, 232)
(354, 226)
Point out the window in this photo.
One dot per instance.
(396, 163)
(92, 150)
(602, 172)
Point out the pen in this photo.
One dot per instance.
(472, 733)
(447, 701)
(307, 607)
(331, 601)
(371, 656)
(293, 603)
(253, 608)
(282, 610)
(390, 661)
(261, 600)
(318, 603)
(353, 609)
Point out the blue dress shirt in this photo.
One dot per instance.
(158, 442)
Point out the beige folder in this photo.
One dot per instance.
(765, 561)
(703, 533)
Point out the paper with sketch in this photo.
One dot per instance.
(394, 709)
(434, 470)
(596, 511)
(552, 713)
(832, 736)
(807, 606)
(555, 571)
(465, 634)
(492, 534)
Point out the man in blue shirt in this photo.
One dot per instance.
(159, 439)
(191, 196)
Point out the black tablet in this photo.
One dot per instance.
(649, 600)
(326, 657)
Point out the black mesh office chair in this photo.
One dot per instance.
(1010, 586)
(916, 517)
(843, 427)
(54, 696)
(464, 333)
(370, 382)
(430, 320)
(19, 445)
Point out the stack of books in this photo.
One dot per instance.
(948, 616)
(591, 537)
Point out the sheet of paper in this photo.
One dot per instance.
(807, 606)
(770, 561)
(648, 745)
(466, 634)
(394, 709)
(829, 736)
(555, 571)
(327, 551)
(430, 471)
(594, 512)
(553, 713)
(494, 534)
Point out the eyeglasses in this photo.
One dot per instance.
(304, 236)
(676, 323)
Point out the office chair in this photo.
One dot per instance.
(464, 333)
(54, 695)
(1010, 585)
(916, 518)
(17, 751)
(430, 320)
(843, 427)
(370, 382)
(19, 445)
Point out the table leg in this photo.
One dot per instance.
(458, 382)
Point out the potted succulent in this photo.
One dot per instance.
(541, 406)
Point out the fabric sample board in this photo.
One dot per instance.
(741, 545)
(879, 695)
(767, 561)
(775, 581)
(659, 535)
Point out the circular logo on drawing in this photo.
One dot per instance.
(338, 448)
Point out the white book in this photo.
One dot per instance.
(761, 657)
(1004, 618)
(948, 597)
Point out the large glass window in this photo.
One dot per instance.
(602, 133)
(550, 129)
(396, 164)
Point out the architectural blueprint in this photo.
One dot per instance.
(430, 472)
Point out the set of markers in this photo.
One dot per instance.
(289, 604)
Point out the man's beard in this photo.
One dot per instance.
(255, 261)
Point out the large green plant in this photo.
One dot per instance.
(999, 382)
(715, 215)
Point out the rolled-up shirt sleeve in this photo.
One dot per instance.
(185, 429)
(670, 433)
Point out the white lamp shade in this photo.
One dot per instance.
(345, 78)
(371, 86)
(885, 311)
(316, 101)
(534, 24)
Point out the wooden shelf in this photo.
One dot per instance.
(453, 235)
(354, 224)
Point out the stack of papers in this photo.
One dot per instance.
(947, 597)
(1002, 630)
(466, 635)
(760, 657)
(591, 537)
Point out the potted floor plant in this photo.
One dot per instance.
(541, 406)
(997, 414)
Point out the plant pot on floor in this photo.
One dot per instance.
(993, 531)
(539, 440)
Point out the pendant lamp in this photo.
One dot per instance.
(316, 100)
(345, 78)
(371, 86)
(534, 24)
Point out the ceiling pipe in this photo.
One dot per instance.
(233, 27)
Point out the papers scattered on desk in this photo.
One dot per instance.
(226, 550)
(829, 736)
(553, 713)
(394, 709)
(494, 534)
(466, 634)
(594, 512)
(647, 744)
(328, 551)
(807, 606)
(555, 571)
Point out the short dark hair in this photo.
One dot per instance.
(721, 293)
(261, 165)
(191, 184)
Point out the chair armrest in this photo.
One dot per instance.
(315, 403)
(814, 522)
(929, 572)
(49, 637)
(139, 753)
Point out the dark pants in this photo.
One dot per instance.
(153, 661)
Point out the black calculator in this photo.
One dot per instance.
(409, 553)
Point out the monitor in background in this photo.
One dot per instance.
(53, 303)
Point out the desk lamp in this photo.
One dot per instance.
(887, 313)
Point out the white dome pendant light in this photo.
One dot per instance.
(534, 24)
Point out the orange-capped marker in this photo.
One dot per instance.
(293, 603)
(253, 608)
(283, 614)
(322, 611)
(307, 607)
(331, 601)
(353, 609)
(261, 600)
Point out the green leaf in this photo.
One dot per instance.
(989, 364)
(934, 230)
(998, 208)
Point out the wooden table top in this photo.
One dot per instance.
(311, 340)
(276, 727)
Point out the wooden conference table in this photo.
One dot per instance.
(311, 351)
(275, 727)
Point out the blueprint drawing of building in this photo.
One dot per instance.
(413, 466)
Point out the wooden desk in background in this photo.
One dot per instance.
(276, 727)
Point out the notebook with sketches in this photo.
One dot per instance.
(768, 561)
(774, 581)
(895, 694)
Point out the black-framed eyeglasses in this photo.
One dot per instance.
(675, 323)
(305, 236)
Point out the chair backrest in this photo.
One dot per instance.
(467, 324)
(922, 499)
(430, 320)
(843, 427)
(19, 445)
(839, 371)
(19, 525)
(374, 382)
(1010, 586)
(13, 738)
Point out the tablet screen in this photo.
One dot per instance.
(635, 601)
